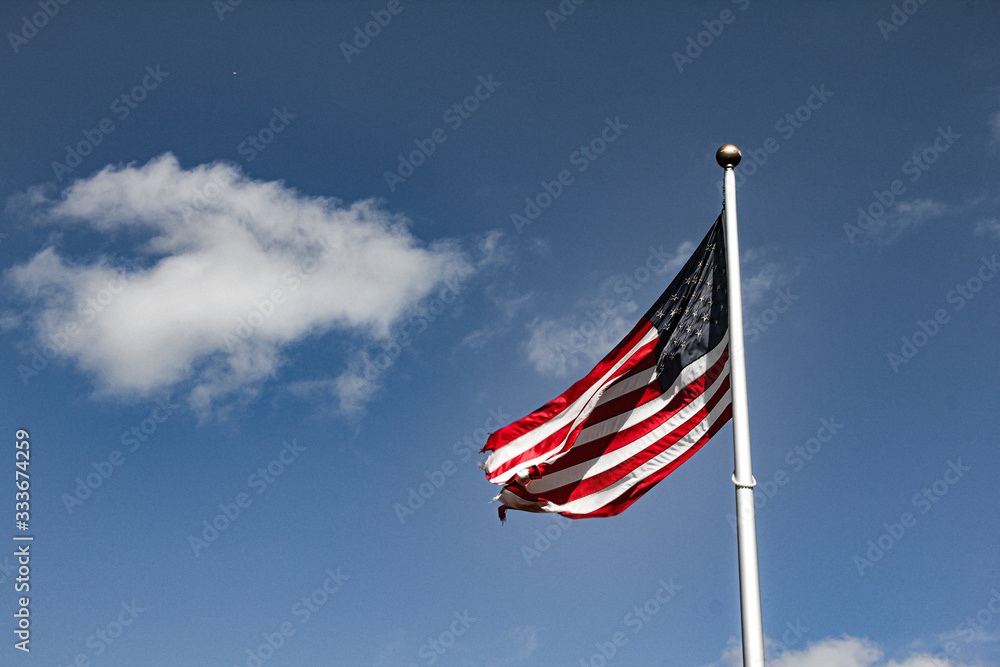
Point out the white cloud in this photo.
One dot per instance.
(988, 227)
(916, 211)
(479, 337)
(672, 263)
(995, 127)
(760, 281)
(367, 368)
(844, 651)
(561, 345)
(523, 641)
(901, 217)
(508, 304)
(764, 278)
(231, 272)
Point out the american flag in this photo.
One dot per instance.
(650, 404)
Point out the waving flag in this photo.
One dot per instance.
(650, 404)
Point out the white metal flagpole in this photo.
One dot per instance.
(728, 156)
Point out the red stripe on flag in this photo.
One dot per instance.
(622, 502)
(558, 404)
(613, 441)
(590, 485)
(644, 410)
(558, 442)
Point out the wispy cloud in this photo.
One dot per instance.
(988, 227)
(368, 367)
(221, 275)
(765, 282)
(518, 647)
(844, 651)
(761, 276)
(564, 344)
(508, 304)
(902, 217)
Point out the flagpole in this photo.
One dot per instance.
(728, 156)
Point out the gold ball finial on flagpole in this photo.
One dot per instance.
(728, 155)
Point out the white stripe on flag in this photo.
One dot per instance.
(607, 495)
(587, 469)
(573, 414)
(641, 413)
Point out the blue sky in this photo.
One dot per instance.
(269, 281)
